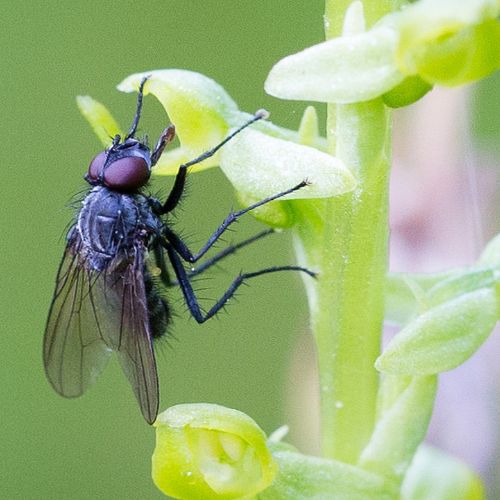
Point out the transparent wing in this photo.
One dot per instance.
(93, 314)
(133, 340)
(74, 349)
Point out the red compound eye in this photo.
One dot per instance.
(95, 167)
(128, 173)
(124, 174)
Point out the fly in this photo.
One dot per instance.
(106, 299)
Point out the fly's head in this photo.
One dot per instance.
(125, 166)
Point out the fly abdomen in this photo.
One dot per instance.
(158, 309)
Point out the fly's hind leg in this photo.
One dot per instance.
(191, 299)
(183, 250)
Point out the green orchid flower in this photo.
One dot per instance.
(448, 316)
(207, 451)
(401, 57)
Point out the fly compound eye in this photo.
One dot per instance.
(126, 174)
(96, 166)
(123, 174)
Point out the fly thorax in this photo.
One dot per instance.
(107, 224)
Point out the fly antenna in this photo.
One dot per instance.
(135, 123)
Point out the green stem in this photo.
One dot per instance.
(346, 238)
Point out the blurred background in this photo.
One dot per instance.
(444, 209)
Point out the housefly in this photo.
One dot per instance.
(106, 298)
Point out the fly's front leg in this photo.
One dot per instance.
(189, 256)
(191, 299)
(180, 179)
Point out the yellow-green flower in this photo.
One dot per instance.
(206, 451)
(448, 42)
(428, 42)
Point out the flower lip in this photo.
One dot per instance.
(208, 451)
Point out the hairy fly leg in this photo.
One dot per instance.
(180, 179)
(190, 297)
(231, 249)
(189, 256)
(159, 257)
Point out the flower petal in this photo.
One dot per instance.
(207, 451)
(449, 45)
(411, 89)
(435, 474)
(99, 118)
(260, 166)
(443, 337)
(200, 108)
(401, 428)
(342, 70)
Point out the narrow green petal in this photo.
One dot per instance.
(443, 337)
(342, 70)
(435, 475)
(99, 118)
(260, 166)
(459, 284)
(199, 107)
(403, 297)
(400, 430)
(309, 128)
(276, 214)
(406, 292)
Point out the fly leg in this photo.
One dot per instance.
(189, 256)
(223, 254)
(228, 251)
(180, 179)
(190, 297)
(162, 265)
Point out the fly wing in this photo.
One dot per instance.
(93, 314)
(133, 342)
(74, 349)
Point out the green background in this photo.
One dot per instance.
(98, 446)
